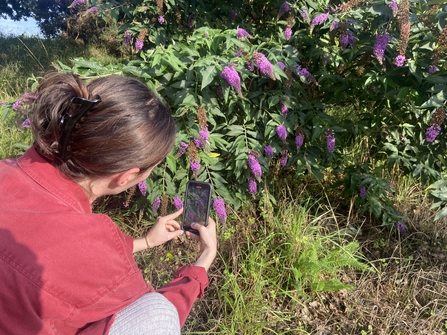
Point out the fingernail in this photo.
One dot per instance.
(192, 224)
(182, 232)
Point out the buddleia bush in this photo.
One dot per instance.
(293, 85)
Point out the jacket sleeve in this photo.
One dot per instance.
(189, 283)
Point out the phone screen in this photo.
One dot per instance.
(197, 204)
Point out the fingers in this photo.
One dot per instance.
(174, 215)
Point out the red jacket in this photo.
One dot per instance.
(64, 270)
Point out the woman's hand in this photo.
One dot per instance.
(208, 243)
(165, 229)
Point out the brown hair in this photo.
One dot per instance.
(129, 127)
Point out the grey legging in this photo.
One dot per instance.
(151, 314)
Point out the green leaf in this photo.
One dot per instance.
(208, 76)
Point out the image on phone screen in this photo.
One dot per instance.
(197, 204)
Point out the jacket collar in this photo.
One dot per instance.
(48, 177)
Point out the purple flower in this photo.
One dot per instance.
(254, 165)
(281, 131)
(242, 33)
(380, 46)
(252, 186)
(156, 205)
(399, 61)
(268, 151)
(127, 37)
(204, 134)
(333, 26)
(195, 167)
(142, 187)
(263, 64)
(305, 15)
(178, 203)
(299, 140)
(401, 228)
(219, 207)
(26, 124)
(285, 7)
(3, 103)
(393, 7)
(230, 74)
(206, 35)
(432, 132)
(432, 69)
(284, 158)
(232, 15)
(75, 3)
(319, 19)
(219, 91)
(238, 53)
(16, 105)
(303, 72)
(347, 39)
(161, 19)
(93, 9)
(250, 66)
(288, 33)
(181, 149)
(281, 65)
(284, 109)
(199, 143)
(330, 140)
(139, 45)
(190, 18)
(362, 191)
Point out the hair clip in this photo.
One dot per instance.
(68, 123)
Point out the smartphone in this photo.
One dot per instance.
(196, 208)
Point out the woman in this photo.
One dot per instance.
(63, 269)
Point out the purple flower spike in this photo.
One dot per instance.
(393, 7)
(252, 186)
(139, 45)
(380, 46)
(93, 9)
(161, 19)
(305, 15)
(16, 105)
(432, 133)
(219, 91)
(26, 124)
(399, 61)
(178, 203)
(254, 165)
(195, 167)
(285, 7)
(401, 228)
(432, 69)
(142, 187)
(230, 74)
(281, 131)
(334, 25)
(330, 140)
(288, 33)
(263, 64)
(299, 140)
(242, 33)
(127, 37)
(156, 205)
(284, 158)
(232, 15)
(319, 19)
(284, 110)
(219, 207)
(181, 149)
(268, 151)
(281, 65)
(362, 191)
